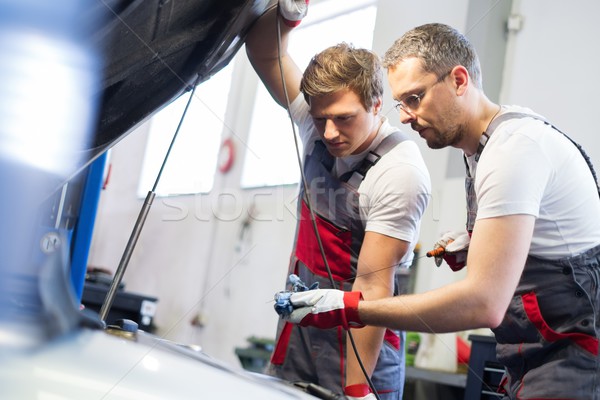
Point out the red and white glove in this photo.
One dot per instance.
(325, 308)
(455, 246)
(359, 392)
(293, 11)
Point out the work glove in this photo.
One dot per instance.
(359, 392)
(293, 11)
(452, 247)
(324, 308)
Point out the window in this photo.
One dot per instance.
(193, 159)
(271, 157)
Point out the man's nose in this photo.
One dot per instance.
(331, 131)
(406, 116)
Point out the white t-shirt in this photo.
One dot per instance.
(529, 168)
(394, 194)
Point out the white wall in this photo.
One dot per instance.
(190, 254)
(552, 66)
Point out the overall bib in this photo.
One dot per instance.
(314, 355)
(549, 338)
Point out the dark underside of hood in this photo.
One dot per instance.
(154, 50)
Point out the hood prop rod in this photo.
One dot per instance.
(137, 229)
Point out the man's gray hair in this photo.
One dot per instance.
(439, 47)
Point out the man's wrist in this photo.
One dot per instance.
(351, 301)
(357, 390)
(289, 23)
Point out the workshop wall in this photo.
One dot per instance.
(215, 268)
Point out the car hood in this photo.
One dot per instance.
(154, 51)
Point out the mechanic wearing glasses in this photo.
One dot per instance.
(368, 187)
(533, 229)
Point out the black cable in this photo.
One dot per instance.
(309, 203)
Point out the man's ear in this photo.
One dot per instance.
(460, 78)
(377, 105)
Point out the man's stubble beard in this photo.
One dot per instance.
(452, 135)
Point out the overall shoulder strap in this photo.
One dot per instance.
(356, 176)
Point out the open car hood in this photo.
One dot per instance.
(154, 51)
(151, 52)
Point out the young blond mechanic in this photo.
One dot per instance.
(534, 226)
(368, 187)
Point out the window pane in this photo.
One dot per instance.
(192, 162)
(271, 156)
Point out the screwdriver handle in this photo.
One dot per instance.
(438, 251)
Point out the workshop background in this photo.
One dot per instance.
(214, 255)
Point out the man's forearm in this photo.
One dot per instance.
(447, 309)
(368, 342)
(261, 41)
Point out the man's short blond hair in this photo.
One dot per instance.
(344, 67)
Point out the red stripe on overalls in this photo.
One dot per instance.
(282, 344)
(336, 244)
(392, 338)
(532, 310)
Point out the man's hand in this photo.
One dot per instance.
(452, 247)
(359, 392)
(293, 11)
(325, 308)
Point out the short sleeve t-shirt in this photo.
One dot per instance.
(395, 192)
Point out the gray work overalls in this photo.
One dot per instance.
(549, 338)
(314, 355)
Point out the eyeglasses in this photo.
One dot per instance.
(411, 102)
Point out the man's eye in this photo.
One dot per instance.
(412, 101)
